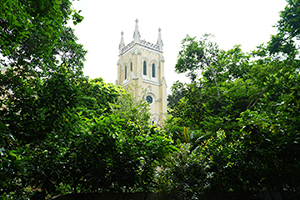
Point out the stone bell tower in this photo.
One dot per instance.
(142, 63)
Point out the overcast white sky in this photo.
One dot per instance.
(245, 22)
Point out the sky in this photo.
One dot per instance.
(232, 22)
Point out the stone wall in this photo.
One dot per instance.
(264, 195)
(114, 196)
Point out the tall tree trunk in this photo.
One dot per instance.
(215, 80)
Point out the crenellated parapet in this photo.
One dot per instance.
(143, 43)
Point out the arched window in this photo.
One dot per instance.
(153, 70)
(131, 66)
(125, 72)
(145, 68)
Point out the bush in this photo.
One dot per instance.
(184, 174)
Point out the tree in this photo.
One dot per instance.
(198, 55)
(107, 149)
(38, 88)
(287, 38)
(214, 100)
(247, 112)
(97, 97)
(261, 151)
(271, 130)
(19, 20)
(133, 109)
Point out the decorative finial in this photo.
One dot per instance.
(159, 43)
(121, 45)
(136, 34)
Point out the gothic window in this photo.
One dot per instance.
(153, 70)
(145, 68)
(131, 66)
(125, 72)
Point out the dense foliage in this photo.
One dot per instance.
(238, 118)
(41, 63)
(59, 131)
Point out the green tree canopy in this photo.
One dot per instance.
(287, 39)
(215, 99)
(41, 63)
(254, 100)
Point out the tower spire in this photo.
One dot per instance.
(159, 43)
(136, 34)
(121, 45)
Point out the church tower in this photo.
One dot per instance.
(142, 63)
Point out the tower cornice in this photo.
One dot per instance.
(142, 43)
